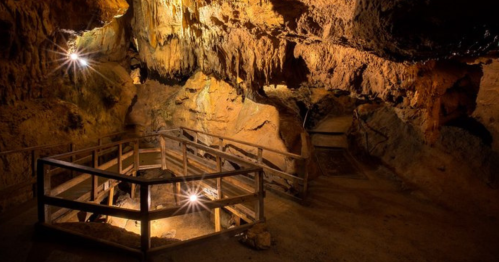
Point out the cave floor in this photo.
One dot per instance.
(373, 219)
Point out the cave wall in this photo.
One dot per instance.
(416, 61)
(45, 101)
(427, 72)
(213, 106)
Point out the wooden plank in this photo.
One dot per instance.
(145, 223)
(239, 160)
(259, 212)
(238, 210)
(260, 156)
(195, 141)
(217, 210)
(95, 178)
(191, 178)
(43, 188)
(91, 171)
(136, 166)
(295, 156)
(120, 159)
(150, 150)
(185, 160)
(82, 160)
(64, 214)
(93, 208)
(147, 167)
(202, 166)
(69, 184)
(305, 152)
(162, 148)
(91, 149)
(44, 146)
(176, 211)
(110, 199)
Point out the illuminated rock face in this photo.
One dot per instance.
(328, 44)
(419, 59)
(213, 106)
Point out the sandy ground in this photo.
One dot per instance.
(345, 219)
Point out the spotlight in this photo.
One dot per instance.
(73, 56)
(83, 62)
(193, 198)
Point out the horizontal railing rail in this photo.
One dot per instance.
(291, 155)
(35, 153)
(298, 181)
(90, 202)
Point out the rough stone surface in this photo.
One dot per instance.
(458, 170)
(210, 105)
(258, 237)
(431, 66)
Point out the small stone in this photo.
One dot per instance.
(258, 237)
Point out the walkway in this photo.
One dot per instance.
(346, 220)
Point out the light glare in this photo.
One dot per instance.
(193, 198)
(83, 62)
(73, 56)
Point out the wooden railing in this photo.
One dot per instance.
(34, 153)
(299, 180)
(127, 165)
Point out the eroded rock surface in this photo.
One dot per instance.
(210, 105)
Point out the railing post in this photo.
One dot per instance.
(73, 157)
(145, 224)
(34, 169)
(260, 155)
(184, 153)
(218, 227)
(195, 141)
(305, 154)
(120, 158)
(259, 208)
(95, 179)
(220, 144)
(162, 145)
(43, 181)
(135, 165)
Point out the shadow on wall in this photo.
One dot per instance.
(291, 10)
(426, 29)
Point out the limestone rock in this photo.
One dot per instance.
(258, 237)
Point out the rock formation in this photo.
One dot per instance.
(424, 74)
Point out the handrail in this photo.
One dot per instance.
(50, 146)
(145, 215)
(295, 156)
(201, 177)
(89, 170)
(241, 160)
(94, 148)
(140, 180)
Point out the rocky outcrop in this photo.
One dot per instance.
(457, 170)
(46, 100)
(210, 105)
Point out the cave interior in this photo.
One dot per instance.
(303, 130)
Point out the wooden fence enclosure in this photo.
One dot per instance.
(121, 161)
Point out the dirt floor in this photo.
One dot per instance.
(371, 219)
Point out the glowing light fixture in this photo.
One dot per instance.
(193, 198)
(73, 56)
